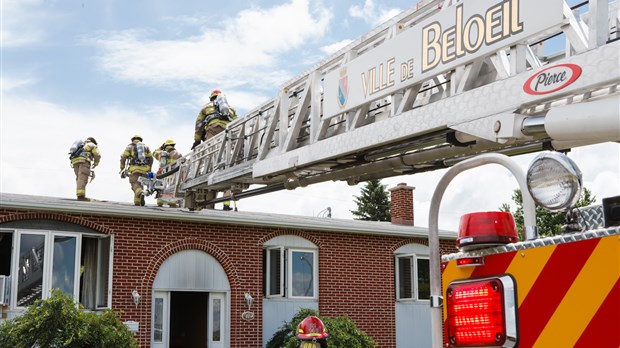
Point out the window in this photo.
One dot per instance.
(75, 263)
(31, 259)
(412, 277)
(274, 271)
(290, 272)
(95, 266)
(301, 273)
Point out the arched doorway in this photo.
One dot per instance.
(191, 302)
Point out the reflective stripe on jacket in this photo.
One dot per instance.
(90, 153)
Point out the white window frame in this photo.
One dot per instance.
(414, 277)
(17, 236)
(268, 293)
(315, 273)
(108, 290)
(48, 258)
(286, 272)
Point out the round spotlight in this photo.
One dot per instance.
(554, 181)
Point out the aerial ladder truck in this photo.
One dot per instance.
(448, 84)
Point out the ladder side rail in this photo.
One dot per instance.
(281, 132)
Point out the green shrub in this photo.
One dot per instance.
(343, 333)
(57, 322)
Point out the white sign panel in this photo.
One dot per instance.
(461, 33)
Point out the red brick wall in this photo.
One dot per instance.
(356, 272)
(401, 203)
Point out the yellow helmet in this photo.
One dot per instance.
(169, 142)
(214, 94)
(136, 136)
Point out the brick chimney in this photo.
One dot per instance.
(401, 201)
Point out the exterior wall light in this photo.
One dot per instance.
(136, 297)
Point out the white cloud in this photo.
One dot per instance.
(22, 22)
(373, 14)
(9, 83)
(333, 48)
(243, 52)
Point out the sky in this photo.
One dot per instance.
(112, 69)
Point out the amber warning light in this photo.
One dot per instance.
(483, 229)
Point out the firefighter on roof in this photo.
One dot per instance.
(84, 156)
(166, 154)
(136, 161)
(212, 120)
(213, 117)
(311, 332)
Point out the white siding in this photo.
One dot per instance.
(191, 270)
(413, 325)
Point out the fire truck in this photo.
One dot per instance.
(451, 84)
(560, 291)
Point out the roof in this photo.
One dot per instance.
(121, 209)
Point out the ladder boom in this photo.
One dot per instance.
(438, 83)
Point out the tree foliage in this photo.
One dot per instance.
(343, 333)
(58, 322)
(548, 223)
(374, 202)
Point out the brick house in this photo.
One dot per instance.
(214, 278)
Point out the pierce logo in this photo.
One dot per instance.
(552, 79)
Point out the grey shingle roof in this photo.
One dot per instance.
(121, 209)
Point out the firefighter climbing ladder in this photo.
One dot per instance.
(439, 83)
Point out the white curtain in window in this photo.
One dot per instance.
(89, 272)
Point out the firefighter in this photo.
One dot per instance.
(136, 161)
(166, 154)
(212, 120)
(311, 332)
(84, 157)
(213, 117)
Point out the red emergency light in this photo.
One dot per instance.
(470, 261)
(482, 229)
(482, 313)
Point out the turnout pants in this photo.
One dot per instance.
(82, 173)
(136, 187)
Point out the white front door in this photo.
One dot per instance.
(217, 320)
(161, 329)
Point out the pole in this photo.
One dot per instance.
(529, 215)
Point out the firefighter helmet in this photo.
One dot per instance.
(214, 94)
(136, 136)
(92, 140)
(311, 328)
(169, 142)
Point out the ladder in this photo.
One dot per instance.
(439, 83)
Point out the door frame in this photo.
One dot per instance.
(212, 297)
(165, 296)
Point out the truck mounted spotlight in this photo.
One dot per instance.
(554, 181)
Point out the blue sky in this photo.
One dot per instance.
(110, 69)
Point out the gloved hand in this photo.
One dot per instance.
(94, 165)
(196, 143)
(123, 173)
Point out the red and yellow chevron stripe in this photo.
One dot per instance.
(568, 294)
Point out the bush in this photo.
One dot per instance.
(343, 333)
(57, 322)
